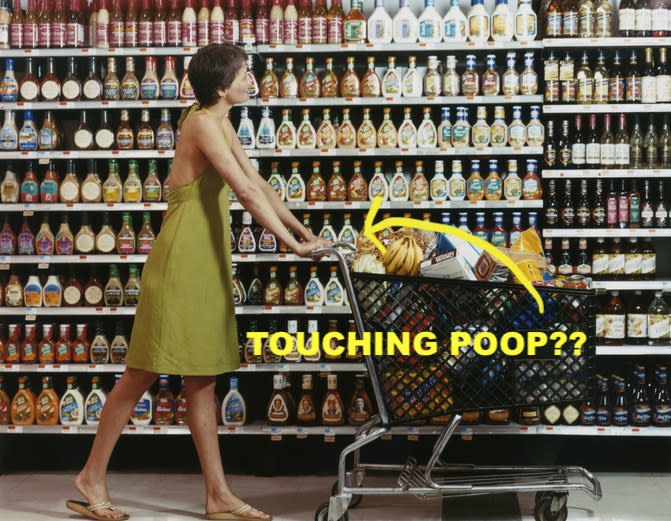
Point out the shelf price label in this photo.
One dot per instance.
(413, 434)
(329, 435)
(69, 429)
(275, 434)
(301, 434)
(15, 429)
(466, 433)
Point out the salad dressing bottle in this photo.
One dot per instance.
(430, 24)
(286, 133)
(439, 182)
(265, 136)
(295, 185)
(46, 405)
(366, 136)
(405, 24)
(314, 290)
(71, 406)
(412, 81)
(444, 131)
(454, 24)
(380, 25)
(307, 137)
(164, 403)
(326, 134)
(378, 186)
(276, 180)
(427, 135)
(233, 409)
(386, 134)
(398, 189)
(95, 401)
(391, 81)
(346, 134)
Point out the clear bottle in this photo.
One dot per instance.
(491, 82)
(461, 130)
(512, 185)
(470, 80)
(517, 131)
(451, 80)
(94, 403)
(233, 408)
(246, 130)
(412, 80)
(529, 77)
(407, 132)
(378, 186)
(71, 407)
(535, 130)
(658, 321)
(427, 135)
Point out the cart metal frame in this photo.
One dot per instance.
(437, 478)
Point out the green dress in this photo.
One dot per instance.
(185, 318)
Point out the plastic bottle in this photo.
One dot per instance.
(164, 403)
(405, 24)
(265, 136)
(246, 130)
(502, 27)
(399, 189)
(142, 413)
(95, 401)
(454, 24)
(439, 182)
(334, 291)
(189, 25)
(430, 24)
(478, 22)
(71, 408)
(526, 22)
(233, 408)
(380, 24)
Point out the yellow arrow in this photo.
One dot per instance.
(370, 229)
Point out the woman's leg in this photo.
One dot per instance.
(202, 423)
(114, 417)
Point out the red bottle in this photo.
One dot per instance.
(131, 30)
(7, 241)
(117, 25)
(160, 25)
(174, 24)
(63, 348)
(13, 346)
(145, 25)
(29, 345)
(74, 28)
(16, 26)
(46, 353)
(30, 26)
(247, 29)
(58, 25)
(231, 23)
(44, 25)
(262, 23)
(80, 347)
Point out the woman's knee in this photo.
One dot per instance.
(196, 383)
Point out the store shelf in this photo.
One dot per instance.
(83, 52)
(397, 47)
(604, 108)
(599, 43)
(403, 101)
(63, 311)
(239, 310)
(633, 350)
(304, 367)
(99, 105)
(407, 205)
(632, 285)
(89, 154)
(83, 207)
(259, 429)
(397, 152)
(71, 259)
(608, 232)
(612, 173)
(292, 310)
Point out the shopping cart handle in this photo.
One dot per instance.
(336, 249)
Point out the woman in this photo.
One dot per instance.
(185, 320)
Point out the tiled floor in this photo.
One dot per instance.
(176, 497)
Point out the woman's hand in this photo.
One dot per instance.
(304, 249)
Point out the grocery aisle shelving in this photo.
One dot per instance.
(607, 232)
(601, 43)
(603, 108)
(397, 47)
(398, 152)
(402, 101)
(606, 173)
(239, 310)
(633, 350)
(244, 368)
(632, 284)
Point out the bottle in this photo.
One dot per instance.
(569, 10)
(475, 186)
(490, 78)
(9, 87)
(44, 26)
(584, 81)
(380, 25)
(286, 132)
(71, 407)
(650, 149)
(457, 183)
(119, 345)
(354, 24)
(607, 147)
(451, 80)
(29, 87)
(334, 293)
(23, 404)
(643, 18)
(478, 22)
(648, 79)
(9, 134)
(290, 23)
(614, 320)
(357, 188)
(502, 22)
(641, 410)
(233, 408)
(553, 19)
(50, 86)
(332, 408)
(320, 23)
(481, 132)
(661, 415)
(334, 22)
(279, 410)
(265, 135)
(660, 18)
(658, 321)
(164, 403)
(429, 23)
(142, 413)
(470, 83)
(622, 144)
(663, 78)
(293, 292)
(633, 80)
(627, 18)
(28, 135)
(517, 131)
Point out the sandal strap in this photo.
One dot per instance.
(244, 508)
(100, 506)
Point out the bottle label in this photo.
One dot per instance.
(600, 263)
(145, 33)
(658, 326)
(69, 409)
(355, 30)
(160, 33)
(149, 89)
(232, 30)
(175, 32)
(649, 89)
(643, 19)
(649, 264)
(554, 23)
(614, 326)
(620, 416)
(570, 23)
(290, 31)
(44, 34)
(319, 30)
(305, 30)
(660, 19)
(116, 34)
(102, 34)
(578, 153)
(429, 30)
(621, 154)
(189, 34)
(637, 325)
(632, 264)
(627, 19)
(662, 414)
(616, 264)
(593, 153)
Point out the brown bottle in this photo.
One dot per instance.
(125, 138)
(360, 407)
(130, 86)
(93, 291)
(50, 87)
(614, 320)
(131, 32)
(145, 134)
(279, 410)
(72, 87)
(306, 414)
(332, 409)
(76, 22)
(58, 26)
(116, 25)
(29, 88)
(333, 327)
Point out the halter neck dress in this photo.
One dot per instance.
(185, 318)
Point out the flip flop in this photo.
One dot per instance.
(89, 510)
(235, 515)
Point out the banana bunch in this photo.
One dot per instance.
(403, 257)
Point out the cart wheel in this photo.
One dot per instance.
(322, 513)
(543, 512)
(356, 498)
(541, 495)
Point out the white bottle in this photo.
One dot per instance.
(430, 24)
(457, 183)
(265, 136)
(391, 82)
(407, 132)
(445, 128)
(295, 185)
(314, 290)
(71, 407)
(276, 180)
(526, 22)
(233, 409)
(454, 24)
(33, 286)
(412, 81)
(378, 186)
(327, 232)
(307, 137)
(246, 130)
(405, 24)
(95, 401)
(439, 182)
(399, 188)
(53, 287)
(427, 135)
(313, 327)
(142, 413)
(9, 134)
(335, 293)
(293, 356)
(286, 132)
(502, 22)
(478, 22)
(380, 24)
(347, 232)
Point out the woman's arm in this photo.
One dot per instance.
(208, 136)
(285, 215)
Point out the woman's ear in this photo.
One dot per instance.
(221, 93)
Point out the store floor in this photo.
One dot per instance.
(176, 497)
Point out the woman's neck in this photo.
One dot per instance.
(220, 109)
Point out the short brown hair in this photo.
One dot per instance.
(214, 67)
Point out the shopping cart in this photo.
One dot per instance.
(410, 388)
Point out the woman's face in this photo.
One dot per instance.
(237, 92)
